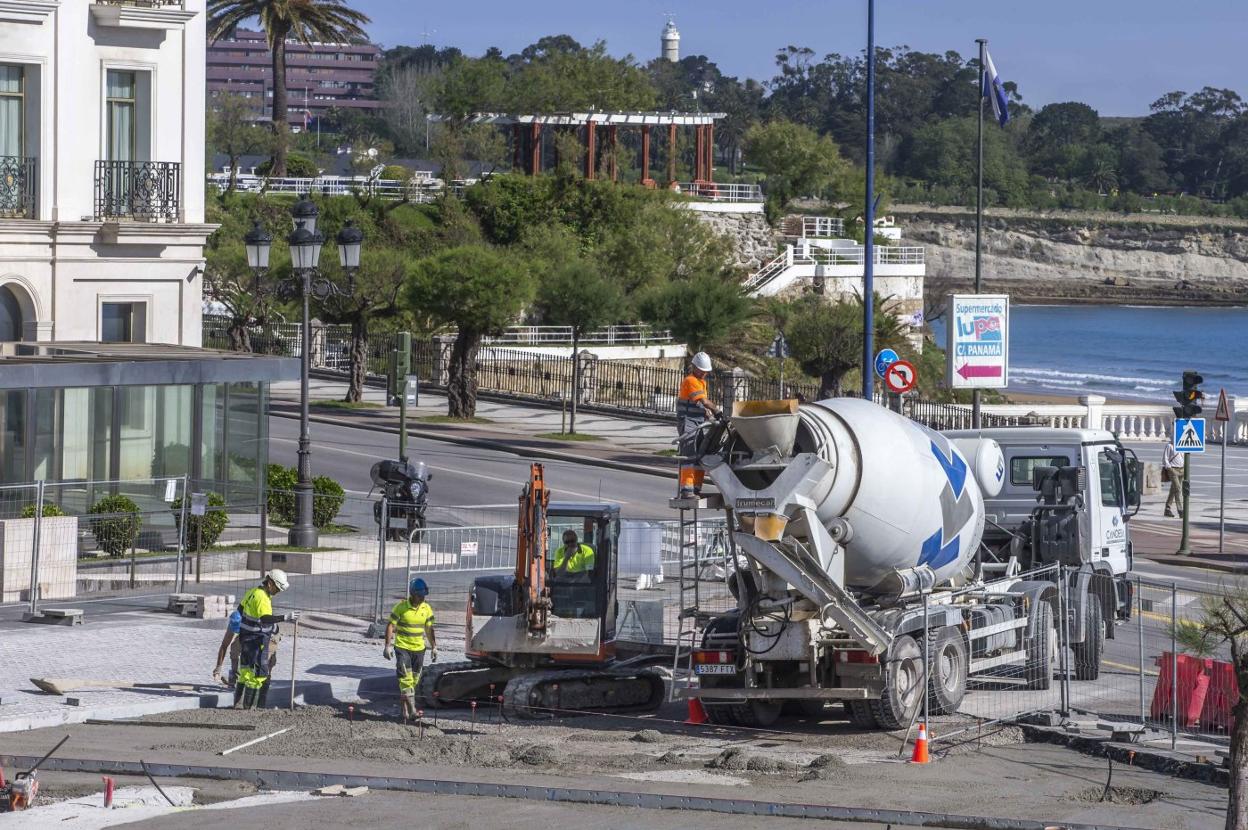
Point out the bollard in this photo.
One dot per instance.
(420, 719)
(473, 705)
(108, 792)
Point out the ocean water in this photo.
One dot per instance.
(1128, 352)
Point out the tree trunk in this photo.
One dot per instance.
(359, 360)
(280, 125)
(576, 379)
(830, 385)
(461, 385)
(240, 336)
(233, 174)
(1237, 798)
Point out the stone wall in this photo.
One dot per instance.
(754, 240)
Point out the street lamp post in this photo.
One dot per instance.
(305, 282)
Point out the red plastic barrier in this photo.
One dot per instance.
(1193, 688)
(1223, 692)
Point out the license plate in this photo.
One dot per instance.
(714, 669)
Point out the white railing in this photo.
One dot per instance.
(562, 335)
(420, 189)
(880, 255)
(823, 227)
(770, 270)
(722, 192)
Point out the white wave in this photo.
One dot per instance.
(1082, 376)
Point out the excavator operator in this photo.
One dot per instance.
(573, 557)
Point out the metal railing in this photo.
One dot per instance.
(145, 191)
(144, 4)
(881, 255)
(420, 189)
(562, 335)
(18, 186)
(722, 191)
(823, 227)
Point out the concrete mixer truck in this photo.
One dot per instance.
(857, 534)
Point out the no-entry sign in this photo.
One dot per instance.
(900, 377)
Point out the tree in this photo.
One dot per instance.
(233, 131)
(378, 285)
(826, 341)
(1059, 135)
(700, 311)
(1224, 622)
(228, 281)
(796, 159)
(325, 21)
(477, 289)
(577, 294)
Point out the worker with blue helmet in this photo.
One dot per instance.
(411, 624)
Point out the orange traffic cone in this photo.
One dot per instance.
(920, 755)
(697, 712)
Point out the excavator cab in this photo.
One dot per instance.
(584, 589)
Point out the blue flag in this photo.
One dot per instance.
(994, 91)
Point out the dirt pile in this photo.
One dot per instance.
(739, 760)
(1118, 795)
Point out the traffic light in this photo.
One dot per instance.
(1190, 397)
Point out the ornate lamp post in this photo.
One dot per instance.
(305, 282)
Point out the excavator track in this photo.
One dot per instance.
(546, 694)
(454, 684)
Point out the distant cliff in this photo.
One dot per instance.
(1085, 257)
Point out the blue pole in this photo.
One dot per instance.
(868, 233)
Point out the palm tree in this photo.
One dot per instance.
(327, 21)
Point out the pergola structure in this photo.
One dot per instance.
(526, 138)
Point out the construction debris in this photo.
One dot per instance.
(208, 607)
(341, 790)
(65, 685)
(56, 616)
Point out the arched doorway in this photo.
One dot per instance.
(10, 316)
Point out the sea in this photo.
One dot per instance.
(1123, 352)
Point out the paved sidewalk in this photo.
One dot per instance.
(164, 648)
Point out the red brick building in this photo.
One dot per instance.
(318, 76)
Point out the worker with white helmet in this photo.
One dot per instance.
(693, 405)
(257, 625)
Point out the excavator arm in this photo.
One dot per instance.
(531, 543)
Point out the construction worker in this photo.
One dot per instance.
(693, 406)
(256, 627)
(572, 557)
(412, 621)
(230, 644)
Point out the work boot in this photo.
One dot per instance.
(1170, 513)
(239, 688)
(262, 696)
(249, 697)
(686, 493)
(408, 705)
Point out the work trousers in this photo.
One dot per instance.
(408, 666)
(253, 660)
(236, 650)
(691, 474)
(1176, 490)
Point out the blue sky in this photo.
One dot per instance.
(1117, 55)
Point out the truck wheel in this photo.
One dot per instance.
(1041, 649)
(903, 685)
(758, 714)
(1088, 653)
(860, 714)
(950, 661)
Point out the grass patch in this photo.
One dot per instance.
(568, 436)
(668, 453)
(347, 404)
(447, 419)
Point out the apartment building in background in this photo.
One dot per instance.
(319, 76)
(101, 170)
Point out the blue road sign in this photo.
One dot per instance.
(885, 358)
(1189, 434)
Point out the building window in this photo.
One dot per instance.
(123, 322)
(122, 105)
(12, 110)
(10, 316)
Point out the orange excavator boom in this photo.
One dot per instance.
(531, 544)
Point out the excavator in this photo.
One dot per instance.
(541, 639)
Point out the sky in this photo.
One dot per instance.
(1116, 55)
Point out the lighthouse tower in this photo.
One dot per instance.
(670, 41)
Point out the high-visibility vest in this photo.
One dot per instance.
(689, 402)
(256, 605)
(409, 623)
(581, 560)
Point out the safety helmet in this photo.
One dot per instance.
(417, 586)
(279, 578)
(702, 362)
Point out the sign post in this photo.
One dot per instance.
(780, 350)
(1223, 414)
(1189, 438)
(978, 343)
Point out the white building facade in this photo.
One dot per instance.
(101, 170)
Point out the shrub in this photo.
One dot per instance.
(49, 509)
(297, 166)
(326, 501)
(327, 497)
(202, 531)
(118, 525)
(396, 172)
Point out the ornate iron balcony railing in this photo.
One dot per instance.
(145, 191)
(18, 186)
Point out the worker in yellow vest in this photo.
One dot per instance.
(411, 622)
(573, 557)
(257, 625)
(692, 408)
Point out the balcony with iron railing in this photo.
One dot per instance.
(18, 186)
(140, 191)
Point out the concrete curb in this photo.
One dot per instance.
(1137, 755)
(1194, 562)
(489, 444)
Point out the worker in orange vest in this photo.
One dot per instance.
(693, 406)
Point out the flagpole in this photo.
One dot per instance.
(979, 208)
(868, 232)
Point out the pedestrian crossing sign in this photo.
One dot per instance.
(1189, 434)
